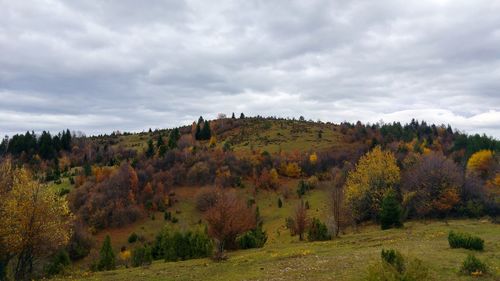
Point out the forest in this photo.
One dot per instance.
(65, 195)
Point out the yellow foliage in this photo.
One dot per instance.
(125, 256)
(213, 141)
(34, 219)
(480, 162)
(375, 173)
(292, 170)
(313, 158)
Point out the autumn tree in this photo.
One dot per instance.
(35, 221)
(435, 182)
(481, 163)
(228, 218)
(337, 198)
(374, 174)
(301, 220)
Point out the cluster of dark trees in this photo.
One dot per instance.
(29, 144)
(203, 131)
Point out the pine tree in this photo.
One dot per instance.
(206, 132)
(390, 213)
(232, 116)
(106, 256)
(242, 116)
(160, 141)
(150, 151)
(197, 134)
(173, 138)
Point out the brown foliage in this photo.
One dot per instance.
(228, 218)
(435, 182)
(301, 220)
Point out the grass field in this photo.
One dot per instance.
(285, 258)
(345, 258)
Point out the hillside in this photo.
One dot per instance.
(150, 185)
(346, 258)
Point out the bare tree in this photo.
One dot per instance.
(337, 200)
(301, 220)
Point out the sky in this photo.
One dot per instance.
(102, 66)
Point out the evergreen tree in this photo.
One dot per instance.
(206, 133)
(106, 256)
(150, 151)
(232, 116)
(173, 138)
(242, 116)
(160, 141)
(46, 148)
(390, 213)
(197, 134)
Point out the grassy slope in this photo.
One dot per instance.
(346, 258)
(285, 258)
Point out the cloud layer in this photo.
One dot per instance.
(99, 66)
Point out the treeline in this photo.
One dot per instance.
(29, 144)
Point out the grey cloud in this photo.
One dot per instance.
(100, 66)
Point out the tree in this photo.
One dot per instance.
(173, 138)
(106, 255)
(242, 116)
(481, 163)
(232, 116)
(159, 141)
(35, 221)
(390, 213)
(150, 151)
(435, 182)
(375, 173)
(301, 220)
(228, 218)
(206, 132)
(337, 200)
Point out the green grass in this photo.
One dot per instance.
(286, 258)
(346, 258)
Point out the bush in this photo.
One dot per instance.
(58, 263)
(395, 268)
(181, 246)
(175, 220)
(80, 243)
(318, 231)
(142, 256)
(133, 238)
(205, 199)
(167, 216)
(280, 203)
(390, 213)
(465, 240)
(255, 238)
(473, 266)
(393, 258)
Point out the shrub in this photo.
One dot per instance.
(167, 216)
(133, 238)
(290, 224)
(465, 240)
(255, 238)
(181, 246)
(318, 231)
(395, 268)
(80, 243)
(142, 256)
(175, 220)
(390, 213)
(205, 199)
(280, 203)
(58, 263)
(393, 258)
(473, 266)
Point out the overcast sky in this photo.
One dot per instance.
(100, 66)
